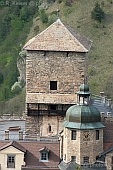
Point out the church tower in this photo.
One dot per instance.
(55, 68)
(82, 139)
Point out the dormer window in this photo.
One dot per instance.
(10, 161)
(44, 154)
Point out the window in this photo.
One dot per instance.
(73, 135)
(44, 156)
(86, 160)
(10, 161)
(53, 107)
(49, 128)
(73, 158)
(53, 85)
(97, 134)
(44, 153)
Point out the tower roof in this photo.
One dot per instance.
(84, 89)
(59, 37)
(84, 115)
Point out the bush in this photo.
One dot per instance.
(1, 78)
(43, 16)
(97, 13)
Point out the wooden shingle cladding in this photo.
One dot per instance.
(58, 37)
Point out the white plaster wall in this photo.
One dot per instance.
(19, 158)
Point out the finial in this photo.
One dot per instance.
(58, 13)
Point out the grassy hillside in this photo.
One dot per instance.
(29, 21)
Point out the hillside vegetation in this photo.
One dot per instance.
(19, 23)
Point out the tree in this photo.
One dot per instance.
(97, 13)
(1, 78)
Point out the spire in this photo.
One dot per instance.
(58, 11)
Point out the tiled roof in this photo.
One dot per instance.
(15, 145)
(108, 131)
(73, 165)
(32, 154)
(58, 37)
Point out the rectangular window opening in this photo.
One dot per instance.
(97, 134)
(53, 85)
(73, 158)
(86, 160)
(53, 107)
(73, 135)
(10, 161)
(43, 156)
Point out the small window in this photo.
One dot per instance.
(86, 160)
(53, 85)
(53, 107)
(73, 135)
(97, 134)
(10, 161)
(73, 158)
(49, 128)
(44, 153)
(44, 156)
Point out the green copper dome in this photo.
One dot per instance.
(84, 89)
(83, 117)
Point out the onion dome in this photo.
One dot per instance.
(83, 116)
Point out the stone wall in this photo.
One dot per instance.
(80, 148)
(41, 68)
(109, 160)
(68, 69)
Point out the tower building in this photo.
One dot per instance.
(82, 139)
(56, 65)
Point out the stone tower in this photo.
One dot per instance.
(55, 68)
(82, 139)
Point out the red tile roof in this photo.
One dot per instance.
(107, 145)
(32, 154)
(58, 37)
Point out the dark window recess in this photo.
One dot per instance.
(44, 53)
(44, 156)
(49, 128)
(73, 135)
(53, 107)
(86, 160)
(53, 85)
(97, 134)
(73, 158)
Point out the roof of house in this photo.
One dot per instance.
(108, 131)
(15, 145)
(72, 165)
(32, 155)
(59, 37)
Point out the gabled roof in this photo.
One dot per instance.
(59, 37)
(15, 145)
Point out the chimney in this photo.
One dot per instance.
(38, 137)
(102, 114)
(20, 135)
(102, 94)
(109, 102)
(108, 114)
(6, 134)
